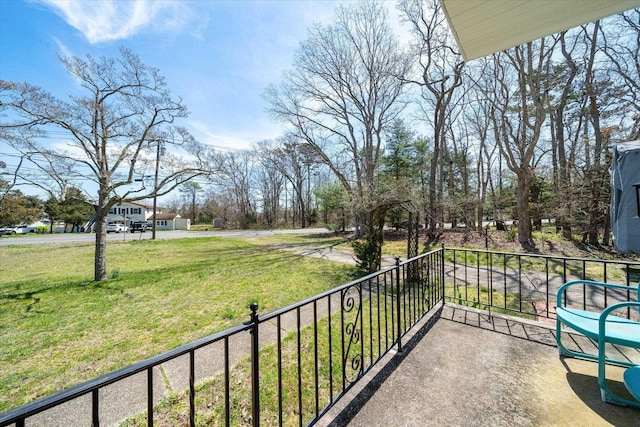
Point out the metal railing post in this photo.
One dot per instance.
(255, 367)
(442, 274)
(398, 304)
(95, 418)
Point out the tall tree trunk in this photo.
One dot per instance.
(441, 69)
(100, 256)
(440, 190)
(481, 188)
(607, 228)
(523, 189)
(562, 172)
(451, 192)
(303, 213)
(596, 167)
(432, 214)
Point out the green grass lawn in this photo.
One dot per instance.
(60, 328)
(174, 409)
(374, 336)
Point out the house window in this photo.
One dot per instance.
(162, 223)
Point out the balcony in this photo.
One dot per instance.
(452, 337)
(468, 367)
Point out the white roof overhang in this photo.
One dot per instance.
(482, 27)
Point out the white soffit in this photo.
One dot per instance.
(482, 27)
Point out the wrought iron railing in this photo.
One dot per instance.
(527, 284)
(286, 367)
(292, 365)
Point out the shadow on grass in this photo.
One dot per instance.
(249, 259)
(35, 295)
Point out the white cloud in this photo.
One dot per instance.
(108, 20)
(205, 135)
(64, 50)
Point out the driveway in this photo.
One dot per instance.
(178, 234)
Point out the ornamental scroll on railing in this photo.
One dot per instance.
(425, 284)
(412, 244)
(352, 345)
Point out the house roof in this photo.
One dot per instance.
(482, 27)
(165, 216)
(144, 205)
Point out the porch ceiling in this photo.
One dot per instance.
(482, 27)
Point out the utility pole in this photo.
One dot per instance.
(308, 210)
(155, 192)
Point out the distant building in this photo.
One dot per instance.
(128, 212)
(171, 221)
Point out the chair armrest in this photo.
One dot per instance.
(607, 311)
(563, 288)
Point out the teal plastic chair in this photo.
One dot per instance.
(603, 327)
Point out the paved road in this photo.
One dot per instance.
(178, 234)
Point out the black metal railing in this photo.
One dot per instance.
(286, 367)
(292, 365)
(527, 284)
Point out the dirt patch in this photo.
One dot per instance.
(506, 241)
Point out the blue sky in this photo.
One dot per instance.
(217, 55)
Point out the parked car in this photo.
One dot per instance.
(24, 229)
(140, 226)
(17, 229)
(113, 228)
(123, 228)
(6, 231)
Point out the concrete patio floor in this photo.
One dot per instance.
(464, 367)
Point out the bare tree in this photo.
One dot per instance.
(518, 94)
(345, 89)
(460, 176)
(622, 47)
(112, 133)
(270, 183)
(594, 166)
(440, 70)
(190, 191)
(235, 179)
(292, 158)
(564, 76)
(270, 180)
(477, 119)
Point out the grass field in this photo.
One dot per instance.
(60, 328)
(173, 410)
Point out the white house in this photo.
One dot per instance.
(128, 212)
